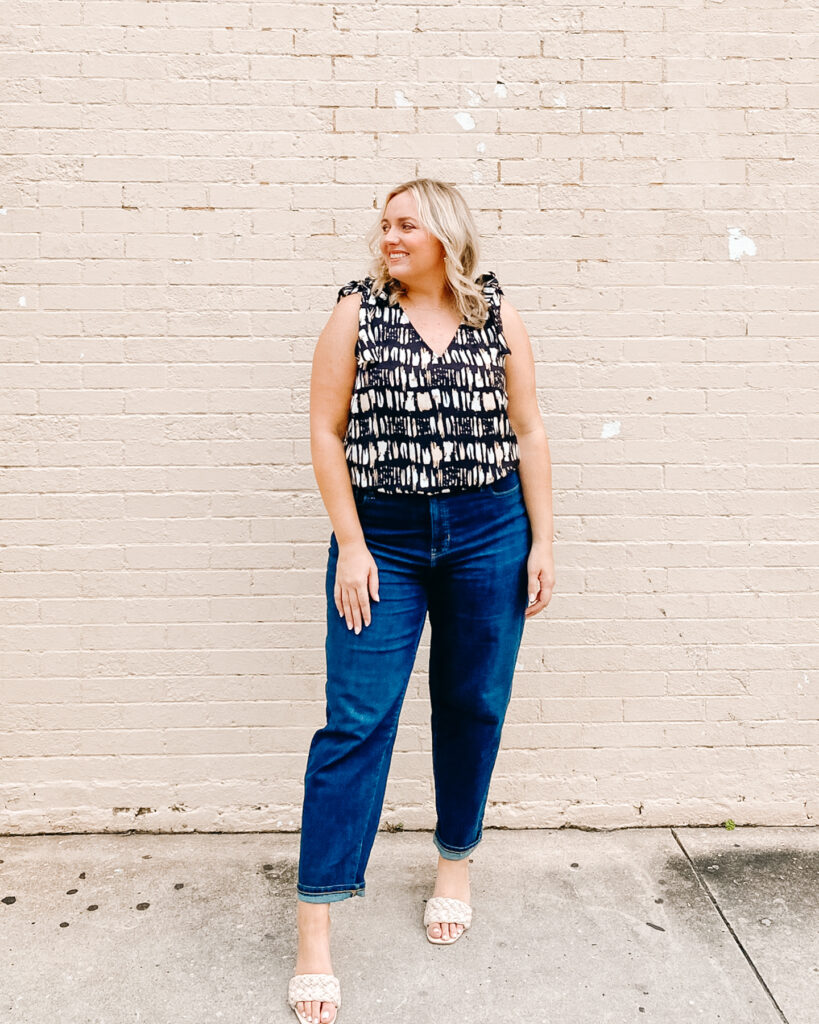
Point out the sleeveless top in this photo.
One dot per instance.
(422, 423)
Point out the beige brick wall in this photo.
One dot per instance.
(184, 187)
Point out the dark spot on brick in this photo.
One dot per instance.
(70, 892)
(93, 906)
(146, 856)
(63, 924)
(658, 927)
(179, 885)
(8, 900)
(82, 874)
(142, 906)
(574, 865)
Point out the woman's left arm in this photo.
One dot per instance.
(535, 460)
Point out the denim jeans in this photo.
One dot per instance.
(462, 558)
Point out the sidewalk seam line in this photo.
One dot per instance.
(727, 924)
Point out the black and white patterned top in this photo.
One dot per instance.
(422, 423)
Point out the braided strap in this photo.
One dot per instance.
(306, 987)
(440, 909)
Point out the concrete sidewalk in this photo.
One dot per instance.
(571, 927)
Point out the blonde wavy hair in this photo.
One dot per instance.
(444, 213)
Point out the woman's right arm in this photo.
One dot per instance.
(331, 386)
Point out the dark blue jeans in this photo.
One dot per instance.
(462, 558)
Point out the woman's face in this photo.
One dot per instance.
(417, 252)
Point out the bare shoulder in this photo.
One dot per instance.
(521, 385)
(341, 329)
(514, 329)
(350, 301)
(347, 307)
(334, 367)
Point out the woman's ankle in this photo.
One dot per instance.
(447, 862)
(313, 917)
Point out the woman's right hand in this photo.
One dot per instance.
(356, 580)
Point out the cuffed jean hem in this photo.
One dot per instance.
(328, 897)
(449, 854)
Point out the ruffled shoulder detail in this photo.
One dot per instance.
(491, 286)
(354, 286)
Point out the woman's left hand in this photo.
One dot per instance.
(540, 569)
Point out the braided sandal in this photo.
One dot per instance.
(308, 987)
(446, 909)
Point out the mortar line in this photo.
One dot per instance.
(727, 924)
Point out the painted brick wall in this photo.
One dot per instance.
(184, 187)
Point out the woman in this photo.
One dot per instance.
(432, 460)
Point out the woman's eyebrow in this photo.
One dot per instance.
(384, 220)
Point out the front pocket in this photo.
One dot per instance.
(509, 484)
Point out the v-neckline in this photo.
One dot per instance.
(436, 355)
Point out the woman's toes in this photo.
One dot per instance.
(311, 1010)
(445, 930)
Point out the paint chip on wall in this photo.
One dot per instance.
(610, 429)
(465, 120)
(739, 244)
